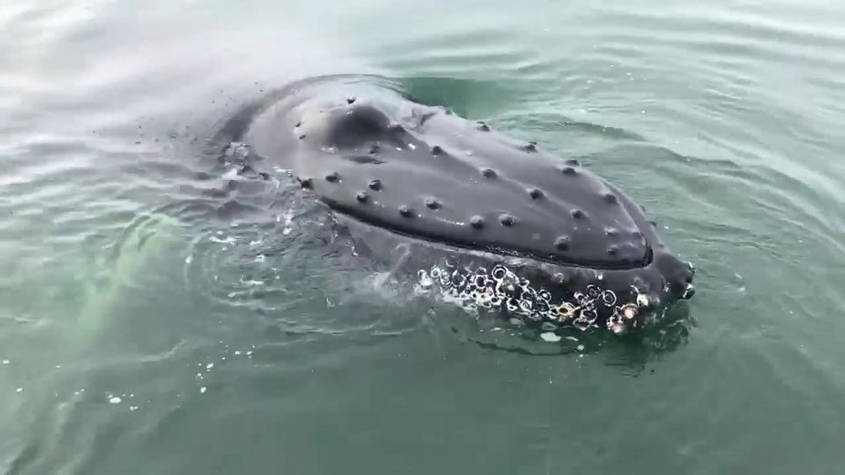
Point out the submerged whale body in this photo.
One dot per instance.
(490, 220)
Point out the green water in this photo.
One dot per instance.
(154, 319)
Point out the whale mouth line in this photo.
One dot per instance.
(523, 253)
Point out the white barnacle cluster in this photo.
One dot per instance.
(501, 289)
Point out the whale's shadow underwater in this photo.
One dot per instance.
(494, 222)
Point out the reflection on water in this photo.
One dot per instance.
(161, 313)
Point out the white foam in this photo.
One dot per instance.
(227, 240)
(550, 337)
(231, 174)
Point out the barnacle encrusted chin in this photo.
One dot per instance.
(501, 289)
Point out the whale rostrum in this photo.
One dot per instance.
(463, 199)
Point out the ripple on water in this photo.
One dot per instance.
(289, 269)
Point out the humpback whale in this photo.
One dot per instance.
(495, 222)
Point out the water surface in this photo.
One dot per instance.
(156, 317)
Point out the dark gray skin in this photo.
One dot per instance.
(426, 190)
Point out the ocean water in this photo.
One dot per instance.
(159, 317)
